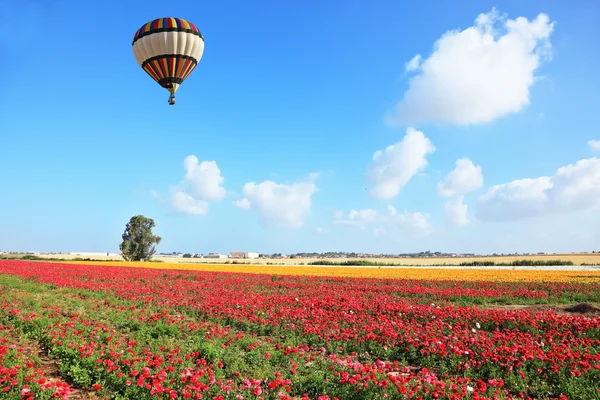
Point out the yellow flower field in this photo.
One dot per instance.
(374, 272)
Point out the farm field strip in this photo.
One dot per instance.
(564, 274)
(576, 258)
(149, 333)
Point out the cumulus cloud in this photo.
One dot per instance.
(392, 168)
(456, 212)
(244, 203)
(279, 205)
(361, 217)
(413, 64)
(204, 178)
(384, 223)
(414, 220)
(185, 203)
(466, 177)
(574, 187)
(478, 74)
(594, 145)
(201, 184)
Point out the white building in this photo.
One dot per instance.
(215, 255)
(250, 255)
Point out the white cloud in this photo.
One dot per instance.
(280, 205)
(185, 203)
(313, 176)
(393, 167)
(391, 222)
(244, 203)
(319, 230)
(204, 178)
(361, 217)
(456, 212)
(594, 145)
(574, 187)
(478, 74)
(415, 220)
(466, 177)
(201, 184)
(514, 200)
(413, 64)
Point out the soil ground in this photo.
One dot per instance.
(585, 309)
(48, 366)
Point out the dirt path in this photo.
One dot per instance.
(48, 366)
(585, 309)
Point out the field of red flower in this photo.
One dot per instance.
(132, 333)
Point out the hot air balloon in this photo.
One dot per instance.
(168, 49)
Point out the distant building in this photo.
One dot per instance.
(215, 255)
(241, 254)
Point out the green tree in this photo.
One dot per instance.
(139, 243)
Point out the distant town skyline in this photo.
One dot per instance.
(331, 254)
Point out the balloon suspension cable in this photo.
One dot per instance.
(172, 99)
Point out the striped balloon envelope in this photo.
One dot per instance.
(168, 49)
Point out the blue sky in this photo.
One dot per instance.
(287, 108)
